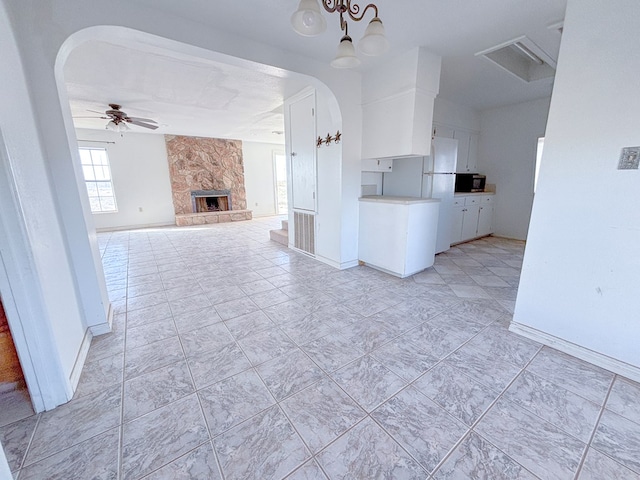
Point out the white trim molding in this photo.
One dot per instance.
(598, 359)
(80, 359)
(103, 328)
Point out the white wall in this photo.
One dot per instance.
(579, 283)
(507, 156)
(446, 112)
(45, 316)
(259, 176)
(140, 173)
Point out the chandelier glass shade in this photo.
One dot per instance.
(119, 126)
(309, 21)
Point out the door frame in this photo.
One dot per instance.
(23, 302)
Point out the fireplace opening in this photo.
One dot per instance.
(204, 201)
(212, 204)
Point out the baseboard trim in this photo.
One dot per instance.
(334, 264)
(604, 361)
(140, 226)
(103, 328)
(74, 378)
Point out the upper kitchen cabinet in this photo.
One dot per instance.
(397, 105)
(467, 146)
(377, 165)
(443, 131)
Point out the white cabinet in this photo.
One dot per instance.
(485, 216)
(470, 222)
(467, 146)
(472, 217)
(398, 234)
(464, 138)
(303, 153)
(457, 219)
(472, 161)
(467, 151)
(377, 165)
(443, 131)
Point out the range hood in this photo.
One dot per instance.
(397, 107)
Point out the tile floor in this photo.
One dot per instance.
(233, 357)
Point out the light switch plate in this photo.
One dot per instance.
(629, 158)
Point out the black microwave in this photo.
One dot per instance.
(470, 182)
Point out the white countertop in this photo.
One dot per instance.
(467, 194)
(399, 200)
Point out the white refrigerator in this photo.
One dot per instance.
(438, 181)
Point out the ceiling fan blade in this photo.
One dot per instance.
(94, 111)
(138, 119)
(91, 116)
(142, 124)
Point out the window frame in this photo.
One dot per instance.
(103, 175)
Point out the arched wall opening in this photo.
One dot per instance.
(76, 223)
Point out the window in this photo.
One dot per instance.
(538, 160)
(97, 177)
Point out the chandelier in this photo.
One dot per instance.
(308, 21)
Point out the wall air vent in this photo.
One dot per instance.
(522, 58)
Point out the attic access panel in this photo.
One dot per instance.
(522, 58)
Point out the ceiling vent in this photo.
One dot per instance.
(522, 58)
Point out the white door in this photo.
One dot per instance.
(303, 154)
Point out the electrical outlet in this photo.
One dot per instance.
(629, 158)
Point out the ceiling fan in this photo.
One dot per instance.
(118, 119)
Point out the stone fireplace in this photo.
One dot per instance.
(207, 180)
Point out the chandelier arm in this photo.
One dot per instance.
(332, 5)
(354, 9)
(343, 25)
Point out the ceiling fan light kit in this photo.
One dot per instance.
(308, 21)
(118, 120)
(120, 127)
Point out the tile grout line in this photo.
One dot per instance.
(366, 353)
(595, 428)
(120, 472)
(31, 437)
(484, 414)
(197, 396)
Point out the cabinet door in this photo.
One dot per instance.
(377, 165)
(303, 153)
(472, 163)
(457, 219)
(442, 131)
(485, 220)
(470, 222)
(463, 150)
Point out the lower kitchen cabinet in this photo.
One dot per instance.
(472, 217)
(485, 220)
